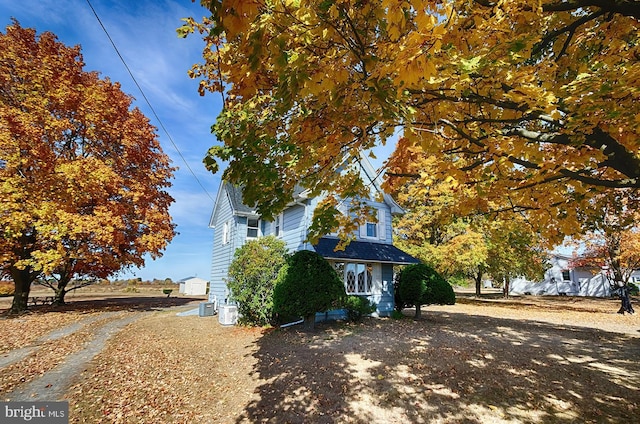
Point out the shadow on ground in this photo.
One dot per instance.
(120, 303)
(447, 367)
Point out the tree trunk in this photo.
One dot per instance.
(478, 279)
(625, 300)
(61, 290)
(309, 322)
(506, 287)
(418, 311)
(22, 279)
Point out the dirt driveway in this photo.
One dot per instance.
(526, 361)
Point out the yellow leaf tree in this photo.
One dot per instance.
(82, 175)
(532, 103)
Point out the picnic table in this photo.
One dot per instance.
(41, 300)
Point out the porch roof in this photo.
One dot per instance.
(363, 251)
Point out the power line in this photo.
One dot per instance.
(147, 101)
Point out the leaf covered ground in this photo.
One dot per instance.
(531, 360)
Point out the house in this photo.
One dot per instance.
(193, 286)
(563, 279)
(366, 265)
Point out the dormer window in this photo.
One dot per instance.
(372, 229)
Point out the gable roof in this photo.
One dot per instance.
(233, 193)
(192, 279)
(235, 197)
(364, 251)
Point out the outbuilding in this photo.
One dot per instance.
(193, 286)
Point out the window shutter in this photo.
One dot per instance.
(342, 208)
(382, 227)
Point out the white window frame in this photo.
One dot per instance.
(277, 226)
(568, 272)
(370, 272)
(256, 228)
(225, 233)
(379, 227)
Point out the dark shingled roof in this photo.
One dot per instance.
(235, 195)
(364, 251)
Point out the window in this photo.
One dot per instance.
(225, 233)
(253, 227)
(566, 275)
(277, 225)
(375, 230)
(357, 277)
(372, 229)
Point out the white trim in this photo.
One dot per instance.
(278, 224)
(364, 286)
(257, 228)
(225, 233)
(382, 227)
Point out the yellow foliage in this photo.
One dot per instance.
(519, 100)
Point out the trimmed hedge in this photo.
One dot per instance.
(307, 284)
(420, 284)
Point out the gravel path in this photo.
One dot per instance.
(53, 384)
(10, 357)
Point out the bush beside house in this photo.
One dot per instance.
(306, 285)
(420, 284)
(252, 277)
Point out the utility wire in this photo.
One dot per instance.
(147, 101)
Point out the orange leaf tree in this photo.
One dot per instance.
(82, 175)
(612, 241)
(531, 102)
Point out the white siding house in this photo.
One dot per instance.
(366, 265)
(562, 279)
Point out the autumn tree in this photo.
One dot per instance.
(433, 229)
(533, 103)
(82, 175)
(513, 250)
(612, 243)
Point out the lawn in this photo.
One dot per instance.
(531, 360)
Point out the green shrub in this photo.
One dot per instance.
(252, 278)
(357, 307)
(420, 284)
(633, 290)
(306, 285)
(397, 314)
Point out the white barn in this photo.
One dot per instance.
(193, 286)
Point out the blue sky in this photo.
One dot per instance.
(144, 32)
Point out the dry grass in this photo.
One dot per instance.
(533, 360)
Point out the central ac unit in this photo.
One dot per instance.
(228, 314)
